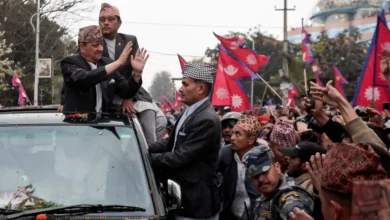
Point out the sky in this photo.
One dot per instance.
(194, 23)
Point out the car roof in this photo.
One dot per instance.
(41, 115)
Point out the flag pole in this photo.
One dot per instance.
(265, 91)
(304, 69)
(273, 90)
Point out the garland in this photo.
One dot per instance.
(77, 117)
(38, 202)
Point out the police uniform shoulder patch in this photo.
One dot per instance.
(285, 196)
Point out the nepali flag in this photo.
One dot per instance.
(315, 68)
(231, 43)
(227, 90)
(372, 86)
(178, 98)
(246, 56)
(23, 98)
(182, 62)
(318, 81)
(15, 80)
(307, 55)
(338, 80)
(292, 93)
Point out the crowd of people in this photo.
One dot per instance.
(321, 160)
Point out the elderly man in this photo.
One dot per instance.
(90, 80)
(151, 118)
(278, 197)
(191, 152)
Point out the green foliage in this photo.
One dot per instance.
(344, 50)
(55, 43)
(347, 54)
(161, 85)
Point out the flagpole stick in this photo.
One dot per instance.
(265, 91)
(305, 78)
(273, 90)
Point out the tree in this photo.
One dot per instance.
(198, 60)
(161, 85)
(347, 54)
(55, 42)
(5, 68)
(269, 46)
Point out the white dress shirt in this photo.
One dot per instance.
(99, 97)
(241, 195)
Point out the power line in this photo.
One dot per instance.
(192, 25)
(174, 54)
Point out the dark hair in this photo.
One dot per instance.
(207, 85)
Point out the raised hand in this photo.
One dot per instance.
(139, 60)
(315, 168)
(125, 54)
(329, 94)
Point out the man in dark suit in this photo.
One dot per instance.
(238, 193)
(90, 80)
(151, 118)
(190, 155)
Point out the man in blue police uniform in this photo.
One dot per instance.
(278, 198)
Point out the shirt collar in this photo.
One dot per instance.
(193, 107)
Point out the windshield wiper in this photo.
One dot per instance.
(4, 211)
(81, 209)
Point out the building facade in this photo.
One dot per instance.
(335, 16)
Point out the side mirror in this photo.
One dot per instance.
(174, 195)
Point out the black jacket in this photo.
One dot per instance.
(80, 81)
(127, 69)
(227, 166)
(193, 164)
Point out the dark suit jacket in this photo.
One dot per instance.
(193, 164)
(227, 166)
(120, 43)
(80, 82)
(127, 69)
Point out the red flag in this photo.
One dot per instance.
(231, 43)
(177, 100)
(232, 67)
(318, 81)
(182, 62)
(372, 86)
(338, 80)
(23, 98)
(248, 57)
(306, 52)
(316, 69)
(15, 80)
(221, 93)
(292, 93)
(227, 90)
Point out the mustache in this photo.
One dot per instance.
(263, 183)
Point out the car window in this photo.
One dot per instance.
(66, 165)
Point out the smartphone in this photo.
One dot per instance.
(308, 84)
(386, 105)
(312, 103)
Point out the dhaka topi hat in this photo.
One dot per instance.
(90, 34)
(108, 10)
(199, 71)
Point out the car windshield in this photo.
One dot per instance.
(50, 166)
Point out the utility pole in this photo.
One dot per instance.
(285, 42)
(36, 81)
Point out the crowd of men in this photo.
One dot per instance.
(323, 160)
